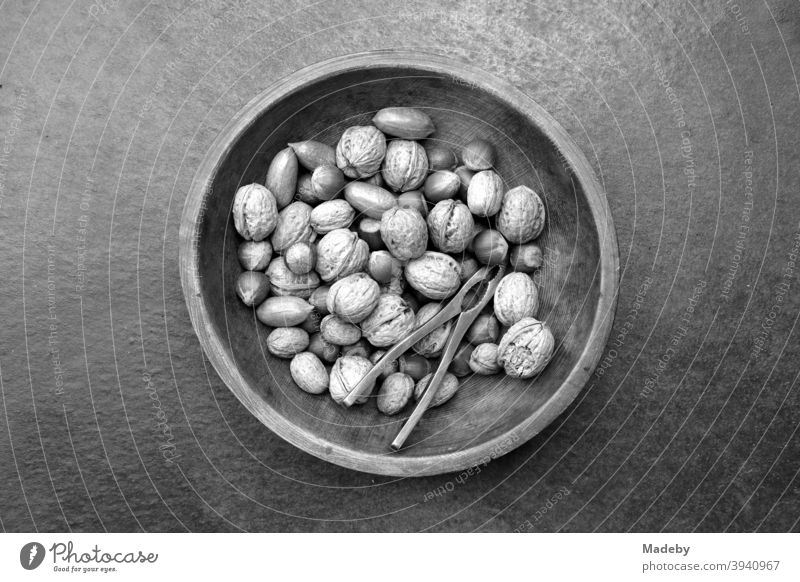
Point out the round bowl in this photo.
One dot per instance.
(578, 282)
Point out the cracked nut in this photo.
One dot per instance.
(526, 348)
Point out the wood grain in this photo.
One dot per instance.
(490, 415)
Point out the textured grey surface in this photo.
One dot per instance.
(106, 109)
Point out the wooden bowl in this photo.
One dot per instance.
(578, 283)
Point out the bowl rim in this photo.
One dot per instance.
(397, 464)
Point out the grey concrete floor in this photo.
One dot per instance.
(688, 111)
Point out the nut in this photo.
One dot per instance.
(369, 199)
(255, 212)
(282, 176)
(319, 299)
(294, 225)
(522, 215)
(376, 180)
(284, 311)
(309, 373)
(311, 323)
(485, 329)
(252, 287)
(404, 122)
(255, 256)
(360, 348)
(526, 258)
(469, 266)
(515, 298)
(283, 282)
(435, 275)
(405, 166)
(348, 371)
(327, 182)
(404, 232)
(300, 258)
(440, 157)
(360, 151)
(447, 389)
(450, 225)
(441, 185)
(285, 342)
(478, 155)
(382, 266)
(485, 193)
(490, 247)
(389, 368)
(353, 297)
(341, 253)
(483, 360)
(305, 192)
(465, 175)
(413, 199)
(460, 364)
(324, 350)
(394, 393)
(479, 228)
(331, 215)
(415, 366)
(312, 154)
(369, 230)
(397, 284)
(337, 331)
(390, 321)
(431, 345)
(526, 348)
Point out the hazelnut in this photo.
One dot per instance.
(252, 287)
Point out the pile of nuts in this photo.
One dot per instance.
(349, 249)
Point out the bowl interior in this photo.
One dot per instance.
(485, 408)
